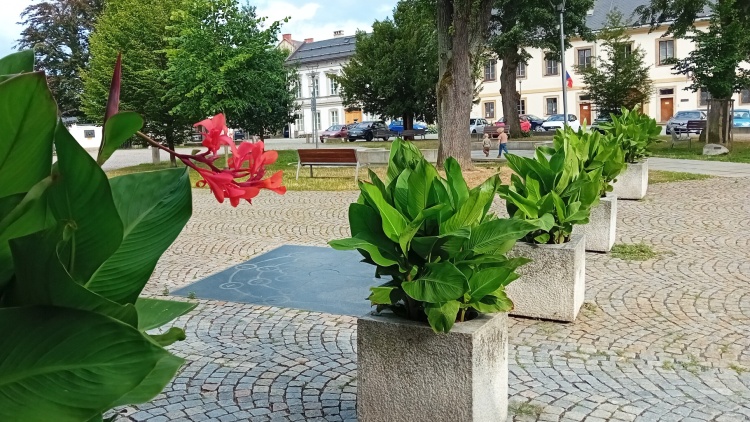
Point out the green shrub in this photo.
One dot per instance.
(634, 131)
(554, 187)
(435, 239)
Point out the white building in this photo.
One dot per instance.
(540, 85)
(316, 62)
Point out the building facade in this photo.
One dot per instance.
(316, 62)
(540, 80)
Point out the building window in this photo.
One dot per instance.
(521, 70)
(627, 49)
(334, 84)
(666, 51)
(584, 57)
(550, 105)
(704, 97)
(300, 124)
(521, 106)
(551, 67)
(745, 96)
(317, 120)
(489, 110)
(298, 88)
(666, 91)
(489, 70)
(334, 117)
(314, 87)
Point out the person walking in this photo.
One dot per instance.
(486, 144)
(502, 137)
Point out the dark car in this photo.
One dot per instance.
(335, 131)
(602, 119)
(368, 130)
(536, 122)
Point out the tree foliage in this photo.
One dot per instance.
(136, 29)
(518, 26)
(620, 78)
(222, 59)
(393, 71)
(58, 31)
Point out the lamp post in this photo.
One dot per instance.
(313, 101)
(561, 9)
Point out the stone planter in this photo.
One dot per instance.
(633, 182)
(406, 372)
(600, 231)
(552, 286)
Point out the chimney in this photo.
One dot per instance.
(308, 40)
(338, 33)
(287, 37)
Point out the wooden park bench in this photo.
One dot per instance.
(329, 157)
(414, 133)
(693, 126)
(492, 131)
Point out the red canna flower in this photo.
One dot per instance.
(216, 132)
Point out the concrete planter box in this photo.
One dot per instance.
(633, 182)
(381, 155)
(600, 231)
(552, 286)
(406, 372)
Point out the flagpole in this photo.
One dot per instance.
(564, 73)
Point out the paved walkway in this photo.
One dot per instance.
(658, 340)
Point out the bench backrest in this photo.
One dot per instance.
(413, 132)
(328, 155)
(696, 124)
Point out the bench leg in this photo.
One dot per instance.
(299, 164)
(311, 171)
(356, 173)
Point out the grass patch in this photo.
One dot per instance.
(738, 369)
(525, 409)
(668, 365)
(325, 178)
(658, 176)
(740, 151)
(634, 252)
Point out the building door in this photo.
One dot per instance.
(352, 115)
(667, 109)
(585, 113)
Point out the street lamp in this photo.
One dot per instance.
(313, 100)
(563, 73)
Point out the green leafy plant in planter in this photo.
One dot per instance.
(76, 250)
(555, 186)
(436, 240)
(634, 131)
(596, 152)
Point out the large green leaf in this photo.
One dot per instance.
(118, 129)
(381, 295)
(70, 365)
(441, 282)
(392, 220)
(152, 219)
(154, 383)
(486, 281)
(488, 237)
(457, 186)
(153, 313)
(28, 115)
(20, 62)
(81, 197)
(493, 303)
(442, 316)
(377, 255)
(473, 209)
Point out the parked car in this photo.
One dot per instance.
(398, 126)
(335, 131)
(367, 131)
(741, 118)
(557, 121)
(476, 125)
(678, 122)
(601, 120)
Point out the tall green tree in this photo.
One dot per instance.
(518, 26)
(58, 31)
(392, 73)
(136, 28)
(222, 59)
(463, 27)
(714, 64)
(619, 78)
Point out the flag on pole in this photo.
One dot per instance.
(569, 79)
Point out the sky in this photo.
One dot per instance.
(308, 19)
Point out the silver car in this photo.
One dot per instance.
(678, 122)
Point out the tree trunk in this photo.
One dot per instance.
(509, 95)
(461, 26)
(408, 120)
(170, 145)
(719, 122)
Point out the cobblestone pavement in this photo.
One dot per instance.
(658, 340)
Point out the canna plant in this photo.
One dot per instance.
(76, 250)
(435, 241)
(554, 185)
(634, 131)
